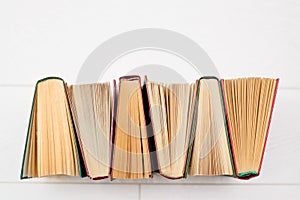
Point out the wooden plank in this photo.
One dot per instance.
(224, 192)
(68, 191)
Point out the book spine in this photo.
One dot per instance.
(172, 177)
(130, 78)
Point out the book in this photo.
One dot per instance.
(249, 104)
(171, 112)
(210, 152)
(91, 106)
(130, 156)
(51, 146)
(206, 128)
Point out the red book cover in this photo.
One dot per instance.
(269, 123)
(230, 135)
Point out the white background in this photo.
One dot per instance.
(243, 38)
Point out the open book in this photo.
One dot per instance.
(51, 146)
(91, 106)
(130, 156)
(211, 153)
(171, 111)
(249, 104)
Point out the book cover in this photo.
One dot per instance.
(29, 136)
(249, 174)
(191, 146)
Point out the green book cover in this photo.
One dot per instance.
(193, 128)
(192, 135)
(24, 175)
(226, 127)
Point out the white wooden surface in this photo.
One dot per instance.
(243, 38)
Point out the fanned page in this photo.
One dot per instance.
(249, 103)
(131, 158)
(172, 108)
(91, 109)
(211, 149)
(51, 143)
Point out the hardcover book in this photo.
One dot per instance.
(171, 112)
(210, 150)
(91, 106)
(249, 104)
(130, 156)
(51, 145)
